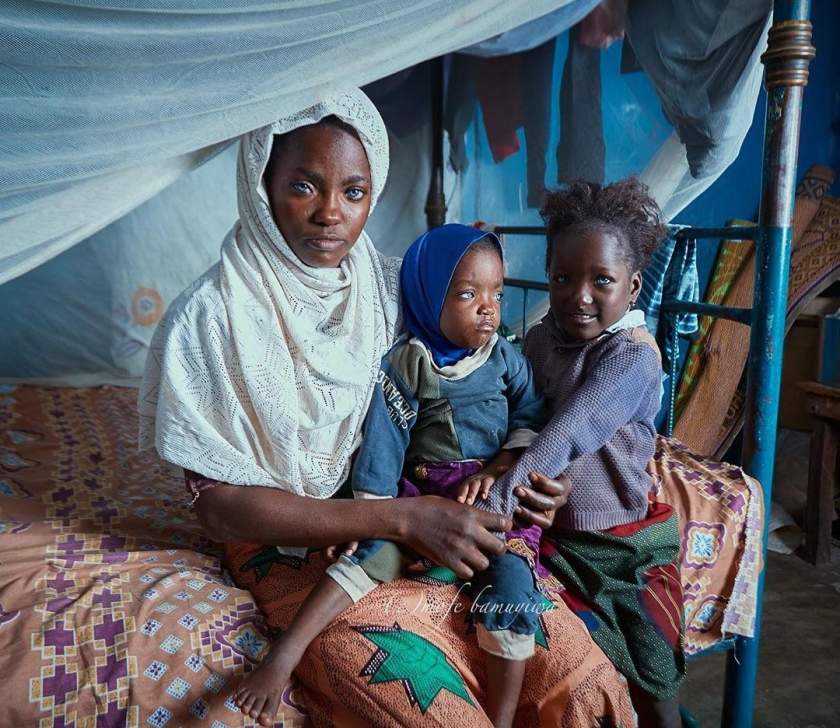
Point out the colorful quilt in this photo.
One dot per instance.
(721, 512)
(115, 611)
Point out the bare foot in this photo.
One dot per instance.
(260, 691)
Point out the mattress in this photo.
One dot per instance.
(115, 610)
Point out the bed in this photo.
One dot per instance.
(786, 60)
(115, 610)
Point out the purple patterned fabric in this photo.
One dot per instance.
(440, 479)
(443, 479)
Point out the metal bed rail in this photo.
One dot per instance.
(684, 232)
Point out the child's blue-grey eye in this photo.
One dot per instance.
(560, 278)
(603, 280)
(499, 296)
(354, 194)
(302, 187)
(466, 295)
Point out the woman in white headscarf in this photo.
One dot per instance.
(261, 373)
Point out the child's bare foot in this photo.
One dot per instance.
(260, 691)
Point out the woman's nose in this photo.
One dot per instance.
(328, 212)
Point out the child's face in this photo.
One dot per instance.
(470, 314)
(591, 284)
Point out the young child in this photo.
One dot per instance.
(613, 548)
(450, 395)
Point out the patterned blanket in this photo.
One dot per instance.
(114, 610)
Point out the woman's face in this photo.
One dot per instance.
(319, 189)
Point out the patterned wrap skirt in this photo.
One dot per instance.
(407, 655)
(624, 583)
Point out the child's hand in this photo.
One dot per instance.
(475, 485)
(348, 549)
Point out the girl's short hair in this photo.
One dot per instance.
(623, 208)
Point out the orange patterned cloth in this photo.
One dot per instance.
(115, 611)
(365, 669)
(721, 512)
(406, 654)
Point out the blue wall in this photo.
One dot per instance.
(735, 194)
(634, 127)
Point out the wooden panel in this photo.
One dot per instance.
(820, 507)
(800, 363)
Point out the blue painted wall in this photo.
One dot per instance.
(634, 127)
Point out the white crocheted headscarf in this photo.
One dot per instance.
(261, 372)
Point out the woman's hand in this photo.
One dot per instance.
(539, 503)
(454, 535)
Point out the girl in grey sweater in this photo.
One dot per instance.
(613, 546)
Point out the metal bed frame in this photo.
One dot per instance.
(789, 52)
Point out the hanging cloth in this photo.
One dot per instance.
(702, 74)
(671, 274)
(581, 153)
(514, 92)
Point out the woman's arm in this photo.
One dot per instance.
(451, 534)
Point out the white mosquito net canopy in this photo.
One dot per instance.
(105, 105)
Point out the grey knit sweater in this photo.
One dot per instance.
(604, 395)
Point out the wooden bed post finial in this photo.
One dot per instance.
(789, 52)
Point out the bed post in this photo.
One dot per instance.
(435, 200)
(789, 51)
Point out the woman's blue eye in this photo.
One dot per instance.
(301, 187)
(355, 194)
